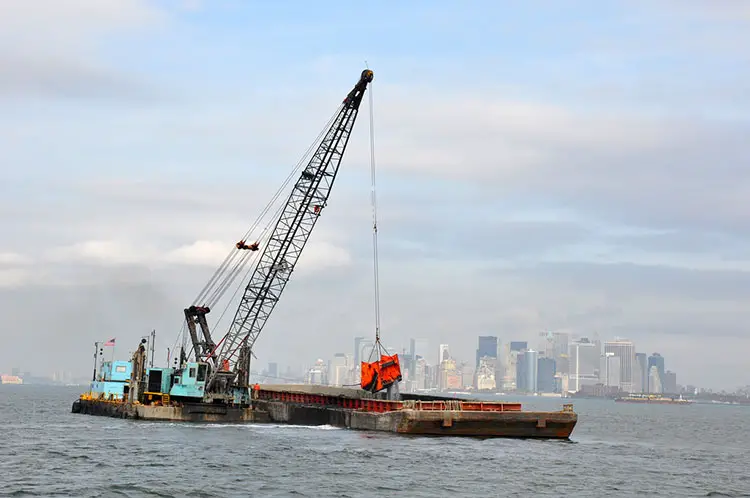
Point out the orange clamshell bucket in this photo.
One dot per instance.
(378, 375)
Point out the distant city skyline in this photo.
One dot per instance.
(431, 353)
(580, 171)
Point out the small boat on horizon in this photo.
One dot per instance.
(658, 399)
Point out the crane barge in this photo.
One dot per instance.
(210, 379)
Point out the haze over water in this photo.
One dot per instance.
(616, 450)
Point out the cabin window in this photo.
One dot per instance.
(192, 372)
(202, 373)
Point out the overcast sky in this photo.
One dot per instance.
(576, 166)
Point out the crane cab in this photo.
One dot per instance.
(158, 383)
(190, 381)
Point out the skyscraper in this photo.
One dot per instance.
(273, 370)
(610, 370)
(654, 380)
(641, 361)
(357, 348)
(625, 350)
(486, 347)
(338, 370)
(518, 345)
(521, 383)
(546, 375)
(527, 371)
(531, 359)
(443, 353)
(670, 382)
(584, 363)
(656, 360)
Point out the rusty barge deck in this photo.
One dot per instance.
(354, 409)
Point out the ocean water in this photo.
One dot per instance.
(616, 449)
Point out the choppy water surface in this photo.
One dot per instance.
(616, 450)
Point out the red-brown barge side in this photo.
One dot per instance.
(355, 409)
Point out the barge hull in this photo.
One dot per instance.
(517, 424)
(182, 413)
(329, 407)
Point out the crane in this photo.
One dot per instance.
(226, 363)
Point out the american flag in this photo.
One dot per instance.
(110, 342)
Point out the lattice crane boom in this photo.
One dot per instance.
(290, 234)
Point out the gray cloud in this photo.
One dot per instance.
(50, 50)
(647, 281)
(99, 208)
(66, 78)
(723, 246)
(472, 237)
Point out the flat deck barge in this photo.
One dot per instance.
(354, 409)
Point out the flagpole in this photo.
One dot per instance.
(96, 351)
(100, 360)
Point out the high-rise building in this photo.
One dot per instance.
(467, 374)
(609, 373)
(546, 375)
(518, 345)
(654, 380)
(508, 379)
(656, 360)
(273, 370)
(641, 361)
(486, 347)
(562, 364)
(317, 374)
(554, 344)
(417, 348)
(584, 364)
(562, 343)
(362, 352)
(486, 375)
(338, 370)
(625, 350)
(443, 353)
(527, 371)
(358, 349)
(670, 382)
(417, 378)
(532, 372)
(449, 376)
(521, 381)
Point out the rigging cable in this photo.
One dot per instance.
(213, 295)
(373, 200)
(263, 238)
(222, 270)
(220, 273)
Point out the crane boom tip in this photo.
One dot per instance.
(367, 75)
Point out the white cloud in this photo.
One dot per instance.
(319, 255)
(200, 253)
(14, 277)
(105, 252)
(13, 258)
(316, 256)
